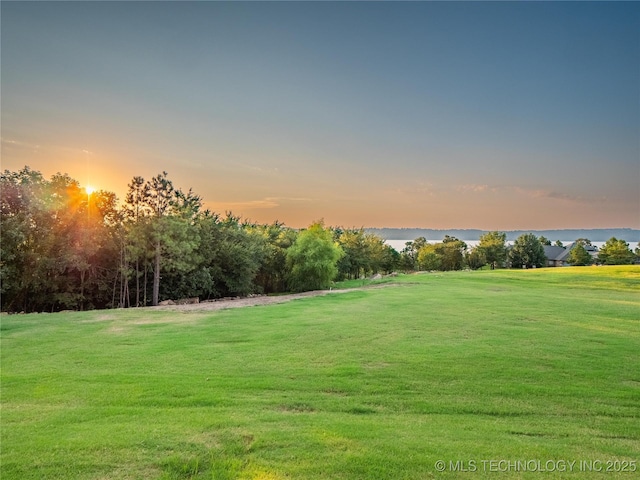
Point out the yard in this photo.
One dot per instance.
(488, 374)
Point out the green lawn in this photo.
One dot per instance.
(490, 371)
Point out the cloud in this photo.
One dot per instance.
(256, 204)
(476, 188)
(563, 196)
(262, 204)
(257, 169)
(531, 192)
(418, 188)
(17, 144)
(557, 196)
(10, 143)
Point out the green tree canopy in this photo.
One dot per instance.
(429, 259)
(475, 259)
(313, 259)
(172, 236)
(616, 252)
(277, 238)
(527, 252)
(544, 240)
(409, 254)
(364, 253)
(451, 252)
(57, 242)
(579, 256)
(493, 247)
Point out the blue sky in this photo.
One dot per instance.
(492, 115)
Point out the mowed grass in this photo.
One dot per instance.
(462, 367)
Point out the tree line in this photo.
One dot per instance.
(64, 248)
(526, 252)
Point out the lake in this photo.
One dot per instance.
(400, 244)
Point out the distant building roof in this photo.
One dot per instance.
(592, 249)
(553, 252)
(561, 254)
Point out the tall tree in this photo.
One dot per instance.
(579, 256)
(544, 241)
(313, 258)
(409, 254)
(616, 252)
(584, 242)
(429, 258)
(24, 226)
(382, 257)
(355, 262)
(493, 247)
(527, 251)
(277, 238)
(391, 259)
(173, 214)
(137, 213)
(475, 259)
(56, 243)
(160, 199)
(238, 256)
(451, 251)
(364, 253)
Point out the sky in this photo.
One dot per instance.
(489, 115)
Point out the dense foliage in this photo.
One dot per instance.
(527, 252)
(63, 247)
(493, 252)
(364, 254)
(616, 252)
(313, 259)
(579, 256)
(493, 248)
(60, 248)
(66, 248)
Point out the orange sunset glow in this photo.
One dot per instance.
(420, 119)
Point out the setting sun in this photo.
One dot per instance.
(376, 126)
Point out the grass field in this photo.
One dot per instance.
(497, 374)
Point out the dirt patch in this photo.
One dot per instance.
(257, 301)
(296, 408)
(194, 312)
(116, 329)
(155, 321)
(105, 317)
(123, 326)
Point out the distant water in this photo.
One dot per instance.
(400, 244)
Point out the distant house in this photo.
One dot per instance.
(559, 256)
(556, 256)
